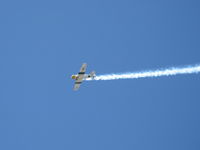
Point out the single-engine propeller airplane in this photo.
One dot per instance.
(82, 76)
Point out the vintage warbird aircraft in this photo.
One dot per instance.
(82, 76)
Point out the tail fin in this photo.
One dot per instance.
(93, 74)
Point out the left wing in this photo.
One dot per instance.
(83, 68)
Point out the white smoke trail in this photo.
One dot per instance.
(153, 73)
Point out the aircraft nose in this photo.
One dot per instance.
(73, 77)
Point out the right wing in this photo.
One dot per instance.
(80, 76)
(76, 86)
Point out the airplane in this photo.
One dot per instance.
(82, 76)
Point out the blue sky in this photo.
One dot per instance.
(44, 42)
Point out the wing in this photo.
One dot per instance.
(78, 82)
(80, 76)
(83, 68)
(76, 86)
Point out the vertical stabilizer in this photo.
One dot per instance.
(93, 74)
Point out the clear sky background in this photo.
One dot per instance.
(43, 42)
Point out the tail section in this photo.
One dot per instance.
(92, 74)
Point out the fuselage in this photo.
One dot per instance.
(75, 77)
